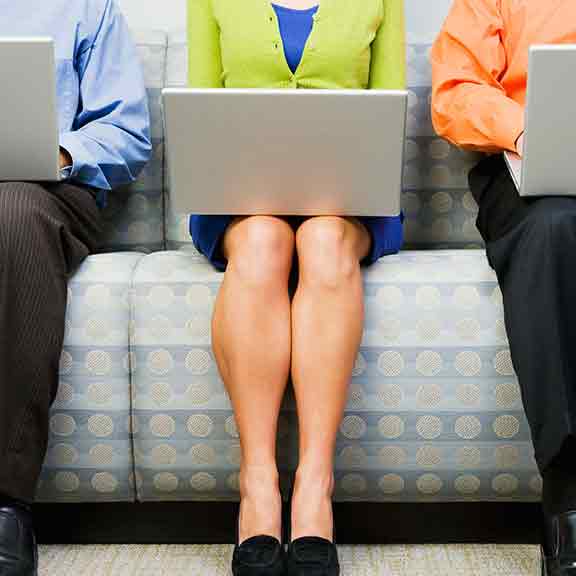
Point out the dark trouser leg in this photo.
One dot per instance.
(45, 233)
(532, 247)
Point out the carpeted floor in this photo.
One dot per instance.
(471, 560)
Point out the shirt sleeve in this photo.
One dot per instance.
(470, 107)
(204, 53)
(388, 63)
(110, 140)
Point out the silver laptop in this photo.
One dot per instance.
(285, 152)
(548, 166)
(29, 148)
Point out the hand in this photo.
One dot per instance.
(65, 158)
(520, 145)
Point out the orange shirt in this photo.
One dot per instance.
(480, 64)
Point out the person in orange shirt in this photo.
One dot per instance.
(479, 66)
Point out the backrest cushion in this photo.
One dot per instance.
(135, 214)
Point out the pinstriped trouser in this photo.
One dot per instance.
(46, 231)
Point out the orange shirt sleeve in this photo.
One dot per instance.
(470, 107)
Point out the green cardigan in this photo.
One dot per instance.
(353, 44)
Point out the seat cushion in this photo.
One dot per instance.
(89, 455)
(434, 411)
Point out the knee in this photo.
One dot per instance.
(326, 253)
(260, 250)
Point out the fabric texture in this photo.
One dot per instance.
(389, 560)
(45, 234)
(302, 39)
(533, 255)
(223, 54)
(102, 105)
(480, 67)
(559, 483)
(134, 214)
(89, 456)
(434, 410)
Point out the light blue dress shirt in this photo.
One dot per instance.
(102, 106)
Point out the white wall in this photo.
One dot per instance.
(155, 14)
(424, 16)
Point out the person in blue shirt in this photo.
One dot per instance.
(46, 231)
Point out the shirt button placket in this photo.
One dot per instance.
(270, 18)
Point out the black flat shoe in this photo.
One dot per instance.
(559, 550)
(18, 551)
(259, 556)
(312, 556)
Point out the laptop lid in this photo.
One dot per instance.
(285, 152)
(548, 167)
(29, 149)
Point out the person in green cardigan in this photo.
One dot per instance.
(261, 337)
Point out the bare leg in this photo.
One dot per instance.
(327, 322)
(251, 342)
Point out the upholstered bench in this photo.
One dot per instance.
(434, 412)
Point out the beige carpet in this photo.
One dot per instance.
(473, 560)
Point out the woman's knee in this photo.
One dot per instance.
(327, 251)
(260, 249)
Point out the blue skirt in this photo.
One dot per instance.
(208, 231)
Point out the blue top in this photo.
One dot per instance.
(102, 105)
(295, 28)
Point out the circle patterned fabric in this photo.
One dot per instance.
(433, 413)
(434, 409)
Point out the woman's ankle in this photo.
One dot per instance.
(319, 479)
(261, 505)
(258, 478)
(312, 503)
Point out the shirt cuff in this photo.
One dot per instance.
(83, 169)
(509, 125)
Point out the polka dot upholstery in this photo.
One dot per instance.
(89, 455)
(134, 215)
(434, 409)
